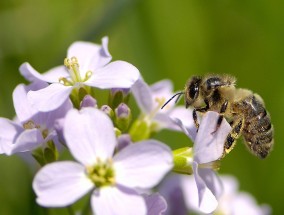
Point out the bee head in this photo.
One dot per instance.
(191, 91)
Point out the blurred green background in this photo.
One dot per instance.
(164, 39)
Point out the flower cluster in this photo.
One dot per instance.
(117, 163)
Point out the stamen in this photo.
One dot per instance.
(65, 82)
(73, 66)
(88, 75)
(102, 173)
(160, 101)
(30, 125)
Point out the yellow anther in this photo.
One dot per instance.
(30, 125)
(101, 173)
(74, 61)
(65, 82)
(88, 75)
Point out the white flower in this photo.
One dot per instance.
(90, 137)
(150, 99)
(207, 150)
(32, 128)
(181, 193)
(87, 64)
(235, 202)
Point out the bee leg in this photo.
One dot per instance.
(194, 116)
(202, 110)
(220, 119)
(233, 135)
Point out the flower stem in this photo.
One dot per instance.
(87, 209)
(70, 210)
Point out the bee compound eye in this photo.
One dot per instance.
(194, 90)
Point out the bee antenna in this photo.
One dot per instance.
(177, 94)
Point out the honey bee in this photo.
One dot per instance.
(244, 109)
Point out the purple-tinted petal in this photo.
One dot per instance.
(207, 201)
(88, 101)
(90, 56)
(58, 126)
(123, 141)
(50, 97)
(138, 165)
(171, 189)
(23, 109)
(162, 91)
(190, 193)
(27, 141)
(156, 204)
(61, 183)
(89, 135)
(30, 73)
(8, 135)
(230, 184)
(209, 146)
(163, 87)
(143, 95)
(53, 75)
(117, 200)
(189, 132)
(185, 115)
(47, 119)
(118, 74)
(164, 121)
(244, 203)
(212, 181)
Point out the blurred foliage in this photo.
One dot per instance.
(164, 39)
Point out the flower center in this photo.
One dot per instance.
(102, 173)
(72, 65)
(159, 103)
(31, 125)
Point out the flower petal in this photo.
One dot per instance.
(23, 109)
(143, 95)
(207, 201)
(212, 181)
(142, 164)
(61, 183)
(174, 192)
(90, 56)
(9, 134)
(89, 135)
(53, 75)
(30, 73)
(209, 146)
(27, 141)
(163, 87)
(50, 97)
(185, 115)
(189, 132)
(118, 74)
(117, 200)
(47, 119)
(156, 204)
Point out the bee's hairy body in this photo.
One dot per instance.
(244, 109)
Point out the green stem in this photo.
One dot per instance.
(87, 209)
(70, 210)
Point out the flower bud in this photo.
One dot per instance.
(123, 141)
(108, 111)
(88, 101)
(122, 117)
(118, 96)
